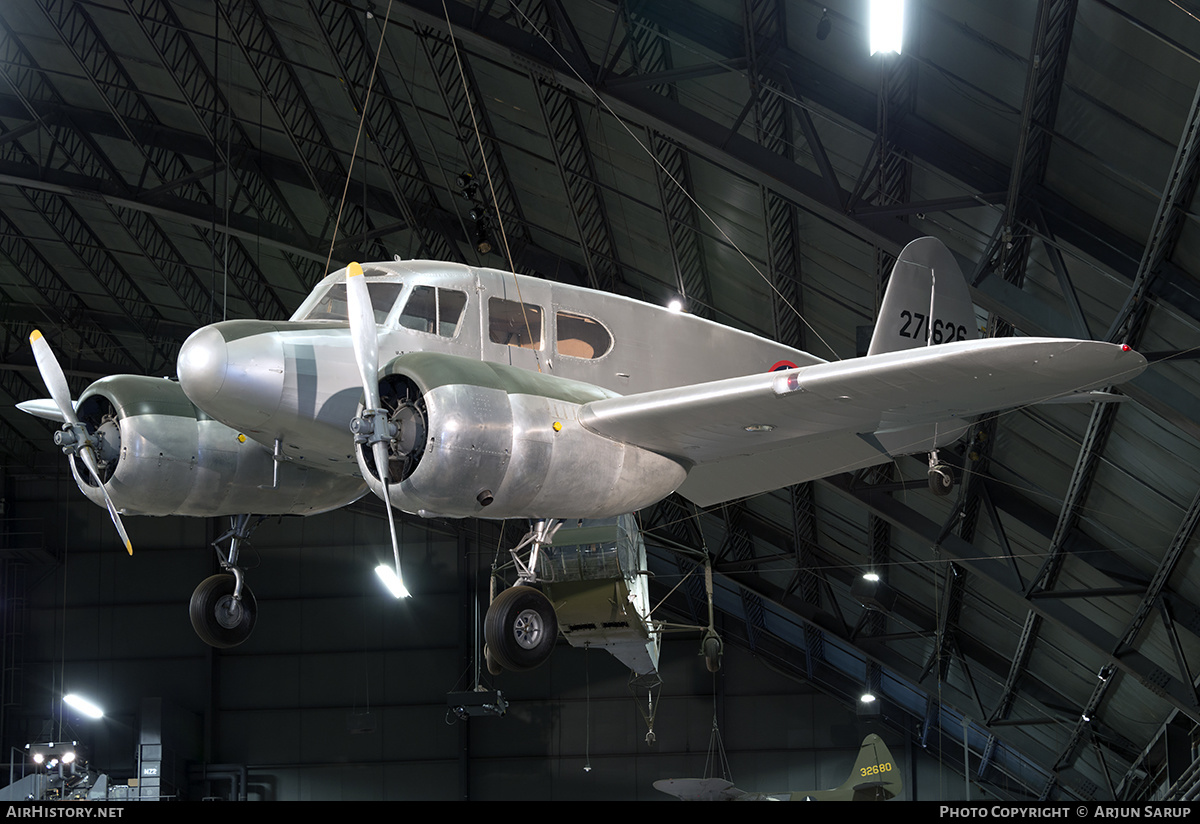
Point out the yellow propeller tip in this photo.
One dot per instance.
(129, 547)
(354, 270)
(34, 336)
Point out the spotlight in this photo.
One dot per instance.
(483, 242)
(887, 25)
(83, 705)
(824, 25)
(467, 185)
(51, 754)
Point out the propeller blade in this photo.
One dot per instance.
(365, 336)
(56, 383)
(89, 459)
(363, 333)
(47, 409)
(52, 375)
(381, 462)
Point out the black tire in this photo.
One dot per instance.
(712, 653)
(220, 621)
(941, 480)
(520, 629)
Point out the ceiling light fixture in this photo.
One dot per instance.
(83, 705)
(824, 25)
(887, 25)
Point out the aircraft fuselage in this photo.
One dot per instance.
(295, 382)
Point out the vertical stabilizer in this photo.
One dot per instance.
(875, 776)
(926, 302)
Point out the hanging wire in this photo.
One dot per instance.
(587, 680)
(487, 172)
(358, 136)
(672, 178)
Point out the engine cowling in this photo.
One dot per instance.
(160, 455)
(477, 439)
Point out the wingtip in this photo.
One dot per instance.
(354, 270)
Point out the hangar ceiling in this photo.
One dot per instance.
(167, 163)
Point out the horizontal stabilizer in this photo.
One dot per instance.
(698, 789)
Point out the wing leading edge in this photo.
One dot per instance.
(747, 435)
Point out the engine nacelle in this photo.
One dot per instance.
(160, 455)
(476, 439)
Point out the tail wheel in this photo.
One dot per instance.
(941, 479)
(219, 619)
(520, 629)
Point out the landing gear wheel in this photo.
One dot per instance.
(941, 479)
(711, 647)
(218, 619)
(520, 629)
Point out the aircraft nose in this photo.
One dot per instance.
(203, 365)
(234, 371)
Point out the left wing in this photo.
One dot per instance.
(746, 435)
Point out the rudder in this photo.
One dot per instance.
(925, 283)
(875, 776)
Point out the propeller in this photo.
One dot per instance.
(374, 427)
(73, 437)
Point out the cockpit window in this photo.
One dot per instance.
(581, 337)
(332, 305)
(433, 310)
(515, 324)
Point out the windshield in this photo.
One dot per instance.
(332, 305)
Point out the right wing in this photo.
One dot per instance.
(746, 435)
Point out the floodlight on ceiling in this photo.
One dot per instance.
(886, 25)
(83, 705)
(824, 25)
(392, 581)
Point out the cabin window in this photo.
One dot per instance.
(515, 324)
(581, 337)
(333, 305)
(432, 310)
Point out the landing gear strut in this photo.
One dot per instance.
(223, 609)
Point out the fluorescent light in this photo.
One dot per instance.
(887, 25)
(391, 581)
(83, 705)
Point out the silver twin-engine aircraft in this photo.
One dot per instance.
(456, 391)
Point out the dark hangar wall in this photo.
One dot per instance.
(330, 647)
